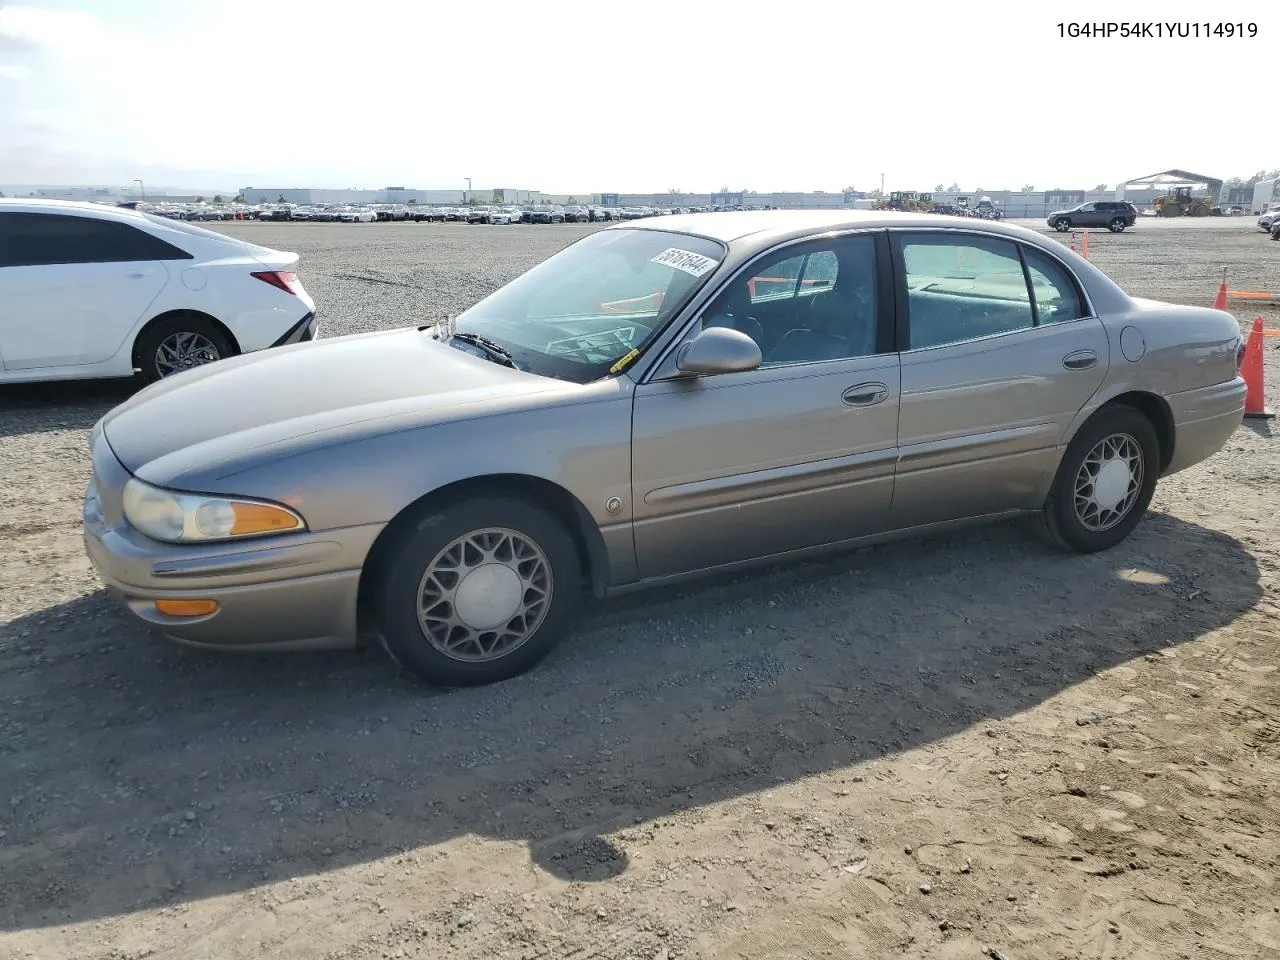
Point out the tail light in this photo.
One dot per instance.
(282, 279)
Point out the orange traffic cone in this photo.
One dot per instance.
(1073, 241)
(1220, 301)
(1255, 407)
(1084, 245)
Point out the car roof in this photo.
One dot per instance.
(36, 205)
(765, 225)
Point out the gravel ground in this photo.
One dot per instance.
(960, 747)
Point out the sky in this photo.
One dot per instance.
(569, 96)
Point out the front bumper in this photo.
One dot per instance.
(290, 592)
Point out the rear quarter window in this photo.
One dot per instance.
(1056, 293)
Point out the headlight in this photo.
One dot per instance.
(194, 518)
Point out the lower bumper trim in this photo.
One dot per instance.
(306, 613)
(300, 332)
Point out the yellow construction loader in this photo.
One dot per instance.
(1179, 202)
(906, 200)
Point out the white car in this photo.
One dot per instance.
(1265, 221)
(499, 216)
(88, 290)
(514, 214)
(356, 215)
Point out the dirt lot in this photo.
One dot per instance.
(962, 747)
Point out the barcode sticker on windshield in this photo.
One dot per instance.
(692, 263)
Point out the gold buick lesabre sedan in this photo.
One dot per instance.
(661, 399)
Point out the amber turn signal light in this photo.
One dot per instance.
(186, 608)
(253, 518)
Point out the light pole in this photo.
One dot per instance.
(882, 185)
(141, 189)
(468, 179)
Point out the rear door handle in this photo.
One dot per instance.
(1080, 360)
(865, 394)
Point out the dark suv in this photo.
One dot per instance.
(1115, 215)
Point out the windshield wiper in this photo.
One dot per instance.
(496, 352)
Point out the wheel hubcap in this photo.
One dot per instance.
(182, 351)
(484, 595)
(1108, 482)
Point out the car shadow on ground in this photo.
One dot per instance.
(140, 775)
(42, 407)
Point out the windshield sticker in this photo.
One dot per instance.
(624, 362)
(694, 264)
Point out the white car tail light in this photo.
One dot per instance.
(283, 279)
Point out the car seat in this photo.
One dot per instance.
(839, 323)
(735, 312)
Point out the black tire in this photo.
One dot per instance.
(401, 566)
(149, 342)
(1116, 225)
(1059, 522)
(1062, 225)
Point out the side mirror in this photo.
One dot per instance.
(719, 350)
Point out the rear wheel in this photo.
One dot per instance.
(1116, 225)
(179, 343)
(1104, 483)
(476, 590)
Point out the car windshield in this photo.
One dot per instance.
(575, 315)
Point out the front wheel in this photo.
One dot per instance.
(477, 590)
(1062, 226)
(1104, 483)
(177, 344)
(1116, 226)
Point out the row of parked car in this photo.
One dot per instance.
(419, 213)
(1269, 222)
(479, 213)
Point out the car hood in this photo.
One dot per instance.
(239, 408)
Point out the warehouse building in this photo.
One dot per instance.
(1264, 195)
(729, 198)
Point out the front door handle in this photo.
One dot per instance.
(139, 274)
(1080, 360)
(865, 394)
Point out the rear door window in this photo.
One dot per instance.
(820, 270)
(963, 288)
(43, 239)
(776, 283)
